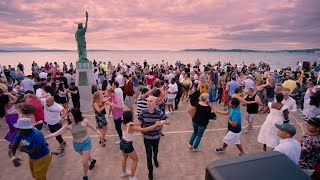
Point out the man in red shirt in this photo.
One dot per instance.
(128, 91)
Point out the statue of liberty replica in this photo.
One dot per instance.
(81, 40)
(84, 73)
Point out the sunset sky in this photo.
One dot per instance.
(161, 25)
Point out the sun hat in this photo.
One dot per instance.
(23, 123)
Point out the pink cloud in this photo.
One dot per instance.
(171, 25)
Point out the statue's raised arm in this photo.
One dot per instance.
(86, 20)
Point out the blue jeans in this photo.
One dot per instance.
(196, 135)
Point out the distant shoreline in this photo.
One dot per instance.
(316, 51)
(264, 51)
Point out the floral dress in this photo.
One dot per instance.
(224, 92)
(100, 118)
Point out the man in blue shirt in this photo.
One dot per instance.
(234, 126)
(231, 87)
(34, 145)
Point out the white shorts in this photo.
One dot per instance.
(232, 138)
(129, 100)
(250, 117)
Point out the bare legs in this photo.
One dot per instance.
(239, 146)
(65, 108)
(134, 157)
(135, 97)
(185, 95)
(86, 157)
(103, 131)
(170, 107)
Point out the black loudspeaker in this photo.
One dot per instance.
(271, 165)
(306, 66)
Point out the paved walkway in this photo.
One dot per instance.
(176, 160)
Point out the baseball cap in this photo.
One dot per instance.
(286, 127)
(315, 121)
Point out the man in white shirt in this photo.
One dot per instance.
(118, 91)
(43, 74)
(52, 117)
(40, 91)
(27, 84)
(288, 101)
(119, 79)
(172, 93)
(288, 145)
(248, 83)
(170, 76)
(68, 76)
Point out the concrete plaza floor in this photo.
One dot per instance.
(177, 162)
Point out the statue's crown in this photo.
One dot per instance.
(79, 22)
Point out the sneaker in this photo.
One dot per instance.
(91, 166)
(242, 154)
(61, 153)
(190, 146)
(85, 178)
(117, 142)
(195, 150)
(133, 178)
(220, 150)
(125, 174)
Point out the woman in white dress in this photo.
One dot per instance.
(306, 105)
(268, 132)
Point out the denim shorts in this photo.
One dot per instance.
(82, 146)
(126, 146)
(136, 88)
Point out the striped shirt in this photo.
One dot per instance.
(141, 104)
(149, 119)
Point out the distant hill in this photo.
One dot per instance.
(248, 50)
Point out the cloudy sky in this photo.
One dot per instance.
(162, 25)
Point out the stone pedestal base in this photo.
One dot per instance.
(84, 81)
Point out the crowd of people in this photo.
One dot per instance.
(40, 101)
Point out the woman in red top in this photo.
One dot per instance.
(150, 79)
(38, 114)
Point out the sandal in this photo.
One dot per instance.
(102, 144)
(245, 132)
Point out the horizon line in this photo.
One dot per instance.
(198, 49)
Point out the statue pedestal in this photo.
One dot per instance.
(84, 81)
